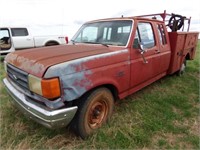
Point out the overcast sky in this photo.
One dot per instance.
(45, 17)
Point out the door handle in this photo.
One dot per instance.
(28, 39)
(157, 51)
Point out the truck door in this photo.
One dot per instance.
(21, 38)
(146, 68)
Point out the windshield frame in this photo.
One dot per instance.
(102, 21)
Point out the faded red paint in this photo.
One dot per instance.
(83, 68)
(36, 61)
(182, 43)
(87, 66)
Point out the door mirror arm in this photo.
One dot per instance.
(142, 51)
(141, 47)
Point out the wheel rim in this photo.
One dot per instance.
(97, 114)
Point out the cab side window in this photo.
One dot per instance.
(144, 35)
(162, 35)
(19, 32)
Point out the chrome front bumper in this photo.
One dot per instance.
(48, 118)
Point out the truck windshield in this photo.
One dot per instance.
(114, 32)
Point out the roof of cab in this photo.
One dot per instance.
(126, 18)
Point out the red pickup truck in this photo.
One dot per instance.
(106, 60)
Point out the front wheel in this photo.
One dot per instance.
(93, 111)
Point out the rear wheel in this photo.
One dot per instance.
(182, 69)
(93, 111)
(51, 44)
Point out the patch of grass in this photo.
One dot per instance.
(163, 115)
(162, 142)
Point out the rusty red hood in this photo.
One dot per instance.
(36, 61)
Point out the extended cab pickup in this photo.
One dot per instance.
(12, 39)
(106, 60)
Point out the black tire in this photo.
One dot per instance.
(182, 69)
(51, 44)
(93, 111)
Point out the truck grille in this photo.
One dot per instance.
(18, 76)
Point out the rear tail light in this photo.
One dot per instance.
(66, 39)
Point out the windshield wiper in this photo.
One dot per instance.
(104, 44)
(73, 42)
(97, 43)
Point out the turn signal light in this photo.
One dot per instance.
(50, 88)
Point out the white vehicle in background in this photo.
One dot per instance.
(12, 39)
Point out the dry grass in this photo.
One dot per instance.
(164, 115)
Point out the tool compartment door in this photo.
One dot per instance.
(182, 43)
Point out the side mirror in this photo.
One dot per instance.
(140, 47)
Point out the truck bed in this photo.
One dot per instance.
(183, 45)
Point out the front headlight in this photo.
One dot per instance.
(35, 84)
(48, 88)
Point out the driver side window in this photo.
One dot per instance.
(144, 35)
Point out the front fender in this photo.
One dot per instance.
(76, 84)
(81, 75)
